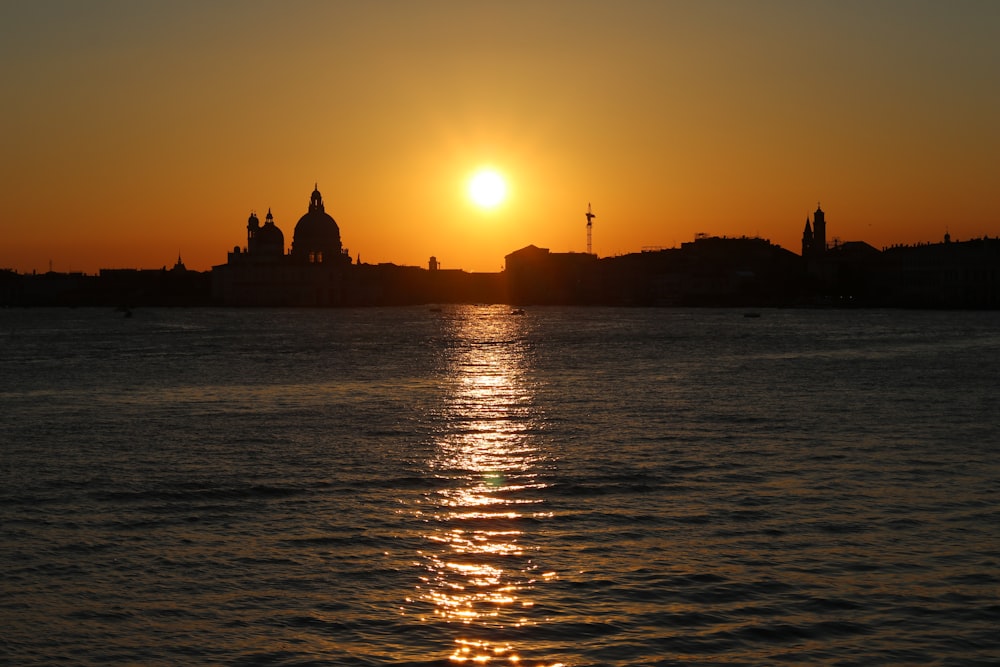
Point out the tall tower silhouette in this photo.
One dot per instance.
(590, 226)
(814, 236)
(819, 230)
(253, 225)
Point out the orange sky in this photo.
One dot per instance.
(134, 131)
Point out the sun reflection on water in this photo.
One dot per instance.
(480, 569)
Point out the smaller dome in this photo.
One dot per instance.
(269, 234)
(269, 239)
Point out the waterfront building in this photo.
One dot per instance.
(312, 273)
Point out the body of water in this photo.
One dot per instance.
(571, 486)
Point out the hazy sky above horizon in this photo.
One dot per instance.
(134, 131)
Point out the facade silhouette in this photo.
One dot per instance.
(710, 270)
(176, 286)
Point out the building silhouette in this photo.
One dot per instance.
(176, 286)
(710, 270)
(314, 272)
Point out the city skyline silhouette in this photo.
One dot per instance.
(311, 266)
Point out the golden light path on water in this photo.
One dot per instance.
(480, 573)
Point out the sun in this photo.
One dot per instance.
(487, 188)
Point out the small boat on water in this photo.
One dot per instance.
(751, 314)
(517, 311)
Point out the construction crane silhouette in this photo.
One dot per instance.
(590, 227)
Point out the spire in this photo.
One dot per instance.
(808, 240)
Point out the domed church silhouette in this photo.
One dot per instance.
(312, 273)
(317, 236)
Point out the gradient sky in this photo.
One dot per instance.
(134, 131)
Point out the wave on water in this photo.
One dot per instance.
(569, 487)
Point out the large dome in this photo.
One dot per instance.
(317, 236)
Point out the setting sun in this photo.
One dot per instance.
(487, 188)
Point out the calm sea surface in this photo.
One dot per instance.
(567, 487)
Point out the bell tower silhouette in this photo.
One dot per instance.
(814, 236)
(819, 231)
(253, 224)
